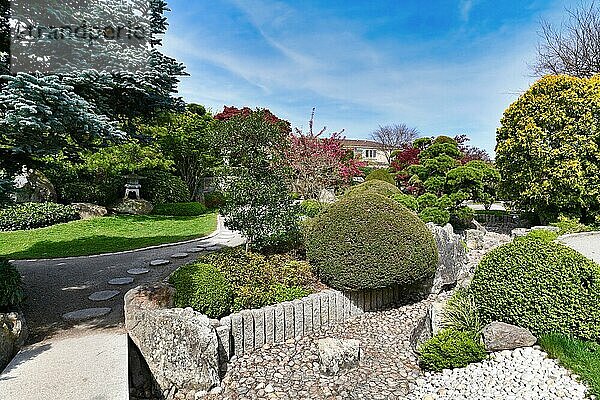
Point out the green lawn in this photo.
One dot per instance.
(103, 235)
(581, 357)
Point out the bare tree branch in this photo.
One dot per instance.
(394, 137)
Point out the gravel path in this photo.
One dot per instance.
(587, 244)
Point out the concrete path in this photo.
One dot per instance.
(587, 243)
(74, 310)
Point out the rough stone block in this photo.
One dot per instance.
(279, 324)
(316, 311)
(269, 324)
(224, 335)
(288, 311)
(332, 307)
(499, 336)
(338, 355)
(259, 327)
(354, 304)
(237, 333)
(308, 317)
(324, 308)
(339, 306)
(248, 320)
(298, 318)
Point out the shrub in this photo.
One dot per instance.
(407, 201)
(377, 186)
(543, 235)
(367, 241)
(451, 349)
(35, 215)
(427, 200)
(542, 286)
(436, 215)
(161, 187)
(381, 175)
(204, 288)
(311, 208)
(462, 217)
(214, 200)
(11, 290)
(570, 225)
(281, 293)
(461, 313)
(180, 209)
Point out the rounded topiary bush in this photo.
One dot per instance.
(539, 285)
(161, 187)
(451, 349)
(204, 288)
(381, 175)
(377, 186)
(367, 241)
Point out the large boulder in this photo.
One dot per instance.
(430, 324)
(337, 355)
(451, 265)
(133, 207)
(499, 336)
(13, 333)
(180, 346)
(88, 210)
(32, 186)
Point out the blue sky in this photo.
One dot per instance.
(444, 67)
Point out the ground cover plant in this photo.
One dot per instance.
(451, 348)
(35, 215)
(103, 235)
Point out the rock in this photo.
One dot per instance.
(33, 186)
(337, 355)
(474, 238)
(429, 325)
(13, 333)
(180, 255)
(103, 295)
(133, 207)
(327, 196)
(518, 232)
(159, 263)
(478, 226)
(500, 336)
(121, 281)
(451, 266)
(138, 271)
(85, 314)
(180, 346)
(88, 210)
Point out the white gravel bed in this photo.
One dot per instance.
(507, 375)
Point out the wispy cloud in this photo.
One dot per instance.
(465, 8)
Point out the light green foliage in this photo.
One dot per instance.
(542, 234)
(581, 357)
(180, 209)
(367, 241)
(204, 288)
(35, 215)
(570, 225)
(407, 201)
(11, 286)
(311, 208)
(548, 148)
(125, 158)
(375, 186)
(461, 313)
(451, 349)
(542, 286)
(436, 215)
(382, 175)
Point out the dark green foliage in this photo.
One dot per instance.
(451, 349)
(367, 241)
(214, 200)
(180, 209)
(407, 201)
(542, 286)
(381, 175)
(204, 288)
(427, 200)
(11, 286)
(259, 280)
(436, 215)
(581, 357)
(311, 208)
(375, 186)
(6, 188)
(35, 215)
(461, 217)
(543, 235)
(161, 187)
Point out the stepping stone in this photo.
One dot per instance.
(197, 250)
(180, 255)
(88, 313)
(158, 263)
(103, 295)
(121, 281)
(138, 271)
(214, 248)
(204, 245)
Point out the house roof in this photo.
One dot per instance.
(353, 143)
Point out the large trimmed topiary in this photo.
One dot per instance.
(381, 175)
(204, 288)
(367, 241)
(376, 186)
(542, 286)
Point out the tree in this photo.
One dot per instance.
(394, 137)
(547, 148)
(471, 153)
(318, 162)
(573, 48)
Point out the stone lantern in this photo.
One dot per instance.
(133, 186)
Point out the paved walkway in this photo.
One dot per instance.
(74, 310)
(587, 243)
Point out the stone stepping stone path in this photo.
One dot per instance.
(158, 263)
(103, 295)
(214, 248)
(85, 314)
(204, 245)
(197, 250)
(180, 255)
(138, 271)
(121, 281)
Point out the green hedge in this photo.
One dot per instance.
(35, 215)
(367, 241)
(381, 175)
(191, 209)
(377, 186)
(542, 286)
(204, 288)
(451, 349)
(407, 201)
(11, 286)
(159, 187)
